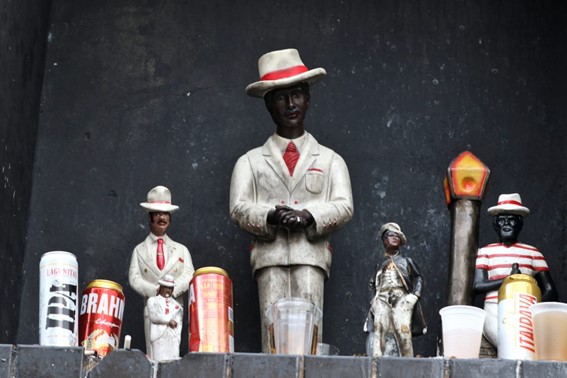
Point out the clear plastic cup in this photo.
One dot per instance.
(327, 350)
(294, 325)
(462, 330)
(550, 330)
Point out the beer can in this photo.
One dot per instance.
(516, 295)
(101, 314)
(58, 284)
(211, 318)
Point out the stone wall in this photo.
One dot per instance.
(23, 40)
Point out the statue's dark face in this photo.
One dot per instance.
(508, 227)
(159, 222)
(391, 239)
(165, 291)
(288, 107)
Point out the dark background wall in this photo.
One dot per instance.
(141, 93)
(23, 39)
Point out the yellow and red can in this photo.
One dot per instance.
(100, 319)
(516, 295)
(211, 316)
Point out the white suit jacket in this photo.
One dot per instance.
(144, 273)
(320, 184)
(160, 320)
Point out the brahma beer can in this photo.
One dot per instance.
(100, 321)
(211, 319)
(58, 283)
(516, 295)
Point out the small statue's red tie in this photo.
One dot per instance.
(291, 156)
(160, 259)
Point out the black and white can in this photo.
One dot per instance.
(58, 294)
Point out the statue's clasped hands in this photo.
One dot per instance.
(290, 218)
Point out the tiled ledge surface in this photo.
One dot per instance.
(35, 361)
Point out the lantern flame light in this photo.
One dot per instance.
(466, 178)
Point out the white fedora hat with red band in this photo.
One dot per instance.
(159, 199)
(167, 281)
(282, 68)
(509, 204)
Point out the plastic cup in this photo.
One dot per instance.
(294, 321)
(550, 330)
(462, 330)
(327, 350)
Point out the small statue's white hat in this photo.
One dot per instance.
(167, 281)
(509, 204)
(159, 199)
(394, 227)
(282, 68)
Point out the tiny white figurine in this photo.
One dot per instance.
(166, 321)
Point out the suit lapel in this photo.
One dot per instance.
(172, 256)
(273, 157)
(306, 160)
(383, 265)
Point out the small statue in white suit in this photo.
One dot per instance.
(166, 321)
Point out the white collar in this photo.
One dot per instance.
(155, 238)
(282, 142)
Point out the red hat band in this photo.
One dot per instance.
(285, 73)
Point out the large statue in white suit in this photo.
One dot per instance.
(291, 193)
(158, 256)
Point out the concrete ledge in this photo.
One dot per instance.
(5, 360)
(35, 361)
(544, 369)
(252, 365)
(411, 367)
(337, 366)
(124, 363)
(199, 365)
(484, 367)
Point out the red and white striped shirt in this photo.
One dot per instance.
(497, 260)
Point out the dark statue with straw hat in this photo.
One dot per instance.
(494, 261)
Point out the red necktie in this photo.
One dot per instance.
(160, 259)
(291, 156)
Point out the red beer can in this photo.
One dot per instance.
(100, 319)
(211, 319)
